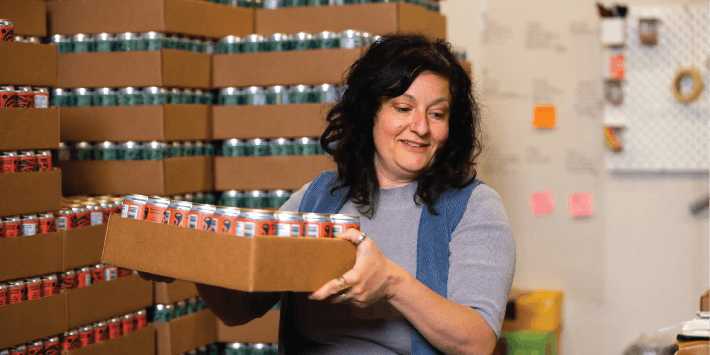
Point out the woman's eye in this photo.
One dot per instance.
(438, 115)
(401, 109)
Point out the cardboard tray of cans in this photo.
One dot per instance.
(147, 177)
(195, 18)
(138, 342)
(28, 18)
(269, 121)
(262, 263)
(259, 330)
(30, 320)
(135, 123)
(163, 68)
(29, 128)
(378, 19)
(30, 192)
(295, 171)
(185, 333)
(39, 254)
(28, 64)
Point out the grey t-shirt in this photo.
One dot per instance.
(481, 268)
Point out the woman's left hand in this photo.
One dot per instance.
(373, 278)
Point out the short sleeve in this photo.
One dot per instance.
(294, 202)
(482, 257)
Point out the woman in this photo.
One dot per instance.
(435, 259)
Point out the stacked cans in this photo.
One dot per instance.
(28, 39)
(7, 31)
(254, 198)
(168, 312)
(209, 349)
(83, 211)
(129, 41)
(279, 95)
(25, 161)
(27, 225)
(259, 147)
(47, 346)
(279, 42)
(431, 5)
(241, 222)
(97, 332)
(250, 349)
(153, 150)
(24, 96)
(129, 96)
(28, 289)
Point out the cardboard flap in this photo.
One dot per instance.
(28, 63)
(269, 121)
(83, 246)
(113, 123)
(29, 128)
(109, 69)
(31, 320)
(28, 18)
(259, 330)
(30, 192)
(186, 333)
(179, 290)
(413, 18)
(185, 69)
(207, 19)
(113, 177)
(108, 299)
(187, 174)
(187, 122)
(138, 342)
(269, 173)
(30, 256)
(84, 16)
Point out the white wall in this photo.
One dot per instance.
(641, 262)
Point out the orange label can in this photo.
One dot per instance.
(155, 209)
(179, 213)
(203, 217)
(227, 220)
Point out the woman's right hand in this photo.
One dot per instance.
(153, 277)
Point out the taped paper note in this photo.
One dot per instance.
(581, 204)
(542, 203)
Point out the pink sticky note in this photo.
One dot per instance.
(542, 203)
(581, 204)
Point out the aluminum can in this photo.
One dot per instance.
(155, 209)
(350, 39)
(27, 161)
(110, 272)
(276, 42)
(106, 151)
(30, 225)
(96, 214)
(100, 331)
(63, 152)
(82, 151)
(97, 274)
(276, 95)
(208, 97)
(128, 42)
(49, 285)
(231, 198)
(199, 198)
(260, 349)
(81, 216)
(301, 94)
(174, 96)
(366, 38)
(227, 220)
(2, 229)
(192, 305)
(82, 43)
(256, 222)
(59, 97)
(134, 206)
(252, 43)
(318, 225)
(208, 46)
(201, 305)
(41, 97)
(105, 97)
(281, 146)
(63, 43)
(257, 147)
(184, 43)
(256, 199)
(141, 318)
(51, 346)
(255, 96)
(301, 41)
(107, 207)
(7, 30)
(82, 97)
(171, 42)
(187, 97)
(179, 213)
(44, 160)
(278, 197)
(229, 96)
(114, 327)
(18, 350)
(161, 313)
(233, 148)
(272, 4)
(16, 291)
(3, 294)
(306, 146)
(8, 98)
(203, 217)
(130, 96)
(180, 309)
(154, 150)
(86, 335)
(288, 224)
(189, 198)
(35, 347)
(83, 277)
(154, 96)
(174, 150)
(188, 149)
(12, 226)
(237, 349)
(152, 41)
(70, 340)
(9, 162)
(34, 288)
(66, 219)
(46, 223)
(24, 97)
(195, 45)
(326, 93)
(68, 280)
(127, 325)
(197, 96)
(229, 45)
(209, 149)
(130, 151)
(104, 42)
(327, 40)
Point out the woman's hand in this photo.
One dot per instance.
(153, 277)
(373, 278)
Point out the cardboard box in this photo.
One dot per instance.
(108, 299)
(29, 128)
(83, 246)
(185, 333)
(269, 173)
(270, 121)
(135, 123)
(704, 302)
(35, 255)
(312, 67)
(146, 177)
(259, 330)
(179, 290)
(195, 18)
(28, 17)
(31, 192)
(138, 342)
(31, 320)
(263, 263)
(28, 63)
(164, 68)
(378, 19)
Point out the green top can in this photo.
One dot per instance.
(252, 43)
(152, 41)
(301, 41)
(63, 42)
(350, 39)
(301, 94)
(128, 41)
(327, 40)
(130, 96)
(154, 150)
(171, 42)
(276, 95)
(282, 146)
(154, 96)
(233, 148)
(257, 147)
(82, 97)
(229, 96)
(82, 43)
(208, 46)
(105, 97)
(229, 45)
(276, 42)
(174, 96)
(187, 96)
(104, 42)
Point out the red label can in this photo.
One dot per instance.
(34, 288)
(114, 327)
(24, 97)
(68, 280)
(70, 340)
(83, 277)
(127, 323)
(49, 285)
(35, 348)
(97, 274)
(65, 219)
(2, 229)
(86, 336)
(44, 160)
(27, 162)
(202, 217)
(133, 206)
(12, 227)
(7, 31)
(227, 220)
(8, 162)
(16, 292)
(82, 216)
(3, 294)
(100, 331)
(18, 350)
(7, 96)
(110, 272)
(47, 223)
(141, 318)
(124, 272)
(51, 346)
(180, 213)
(155, 209)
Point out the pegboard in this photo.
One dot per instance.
(662, 134)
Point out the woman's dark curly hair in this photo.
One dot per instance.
(387, 70)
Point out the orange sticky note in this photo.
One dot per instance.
(544, 116)
(542, 203)
(581, 204)
(616, 66)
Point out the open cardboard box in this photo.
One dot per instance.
(146, 177)
(137, 342)
(29, 128)
(164, 68)
(378, 19)
(185, 333)
(29, 18)
(135, 123)
(28, 63)
(269, 121)
(259, 330)
(83, 246)
(269, 172)
(30, 192)
(31, 320)
(34, 255)
(195, 18)
(262, 263)
(178, 290)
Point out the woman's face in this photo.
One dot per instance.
(410, 128)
